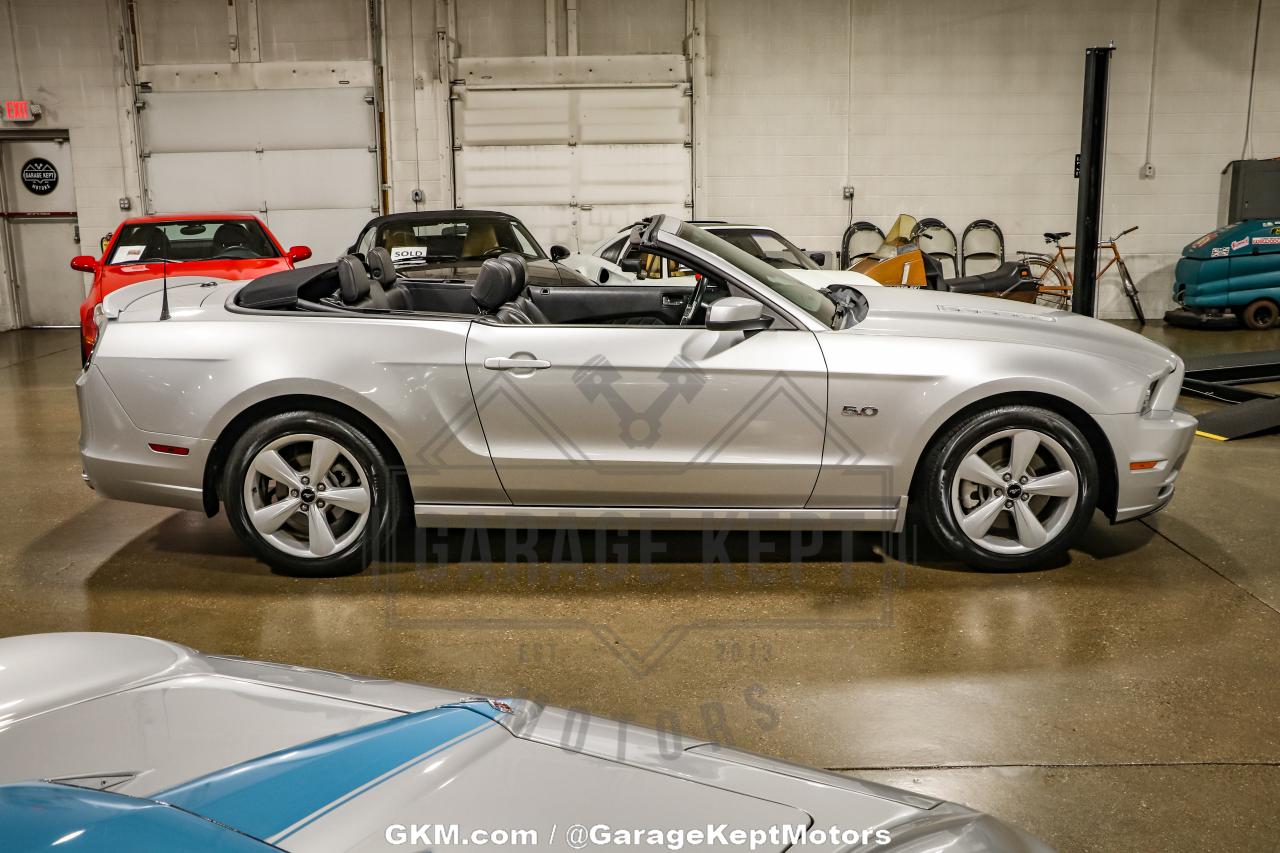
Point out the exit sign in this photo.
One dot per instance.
(21, 111)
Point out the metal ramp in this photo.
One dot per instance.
(1219, 377)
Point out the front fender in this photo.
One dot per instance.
(916, 385)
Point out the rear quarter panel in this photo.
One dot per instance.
(192, 375)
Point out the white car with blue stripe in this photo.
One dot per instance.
(118, 743)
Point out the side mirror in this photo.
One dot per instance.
(104, 242)
(737, 314)
(819, 258)
(559, 253)
(298, 254)
(603, 276)
(84, 263)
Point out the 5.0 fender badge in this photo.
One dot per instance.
(860, 411)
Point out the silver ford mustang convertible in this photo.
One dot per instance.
(112, 743)
(320, 405)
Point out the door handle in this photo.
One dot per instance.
(497, 363)
(669, 301)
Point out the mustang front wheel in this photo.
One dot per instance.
(1010, 488)
(309, 494)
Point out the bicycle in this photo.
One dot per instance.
(1054, 282)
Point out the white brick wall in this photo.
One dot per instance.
(955, 110)
(66, 50)
(968, 110)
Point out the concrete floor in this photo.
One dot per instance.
(1129, 700)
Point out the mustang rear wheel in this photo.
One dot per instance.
(309, 494)
(1009, 488)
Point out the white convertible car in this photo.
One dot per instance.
(120, 744)
(608, 263)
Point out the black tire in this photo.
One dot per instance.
(360, 464)
(940, 505)
(1260, 314)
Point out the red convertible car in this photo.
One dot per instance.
(222, 245)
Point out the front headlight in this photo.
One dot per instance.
(1149, 397)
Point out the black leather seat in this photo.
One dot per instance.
(1053, 237)
(230, 235)
(499, 291)
(355, 288)
(383, 271)
(155, 245)
(1005, 278)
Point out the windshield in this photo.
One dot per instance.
(192, 240)
(467, 238)
(768, 246)
(801, 295)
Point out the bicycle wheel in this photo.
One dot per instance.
(1052, 289)
(1131, 291)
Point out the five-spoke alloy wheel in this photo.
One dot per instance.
(1009, 488)
(310, 494)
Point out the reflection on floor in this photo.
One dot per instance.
(1125, 700)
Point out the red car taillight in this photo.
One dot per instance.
(92, 336)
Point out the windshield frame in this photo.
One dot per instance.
(215, 221)
(806, 262)
(823, 311)
(463, 217)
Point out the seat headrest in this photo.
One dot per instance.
(230, 234)
(518, 267)
(353, 281)
(500, 280)
(381, 267)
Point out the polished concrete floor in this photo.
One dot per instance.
(1127, 700)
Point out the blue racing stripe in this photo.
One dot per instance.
(268, 795)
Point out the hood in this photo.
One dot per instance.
(912, 312)
(445, 766)
(86, 665)
(819, 279)
(117, 276)
(43, 816)
(321, 761)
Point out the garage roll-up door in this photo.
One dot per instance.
(302, 159)
(576, 164)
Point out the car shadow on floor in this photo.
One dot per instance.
(189, 550)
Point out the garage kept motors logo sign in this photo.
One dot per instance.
(39, 176)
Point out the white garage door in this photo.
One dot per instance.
(302, 159)
(575, 164)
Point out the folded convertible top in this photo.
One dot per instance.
(284, 289)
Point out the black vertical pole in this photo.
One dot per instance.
(1093, 152)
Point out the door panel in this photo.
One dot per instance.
(650, 416)
(42, 228)
(51, 292)
(608, 304)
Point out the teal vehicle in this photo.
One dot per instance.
(1230, 273)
